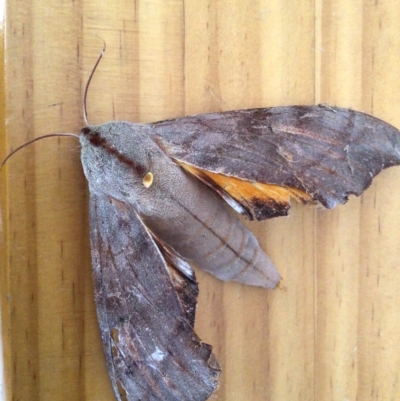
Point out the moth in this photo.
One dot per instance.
(160, 195)
(157, 196)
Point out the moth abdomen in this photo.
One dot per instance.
(198, 226)
(229, 251)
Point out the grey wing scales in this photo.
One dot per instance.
(151, 349)
(327, 152)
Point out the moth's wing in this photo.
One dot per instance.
(264, 157)
(146, 312)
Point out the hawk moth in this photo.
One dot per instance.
(150, 215)
(158, 200)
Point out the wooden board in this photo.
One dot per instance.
(333, 333)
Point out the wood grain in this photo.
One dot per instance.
(332, 333)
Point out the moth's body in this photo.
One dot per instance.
(177, 208)
(140, 196)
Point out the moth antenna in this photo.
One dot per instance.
(31, 141)
(88, 83)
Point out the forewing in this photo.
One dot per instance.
(145, 319)
(264, 157)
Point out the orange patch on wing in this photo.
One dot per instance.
(241, 189)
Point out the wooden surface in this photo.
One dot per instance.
(333, 333)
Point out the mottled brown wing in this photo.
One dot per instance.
(264, 157)
(146, 312)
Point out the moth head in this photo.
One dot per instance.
(117, 158)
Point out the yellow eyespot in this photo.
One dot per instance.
(148, 180)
